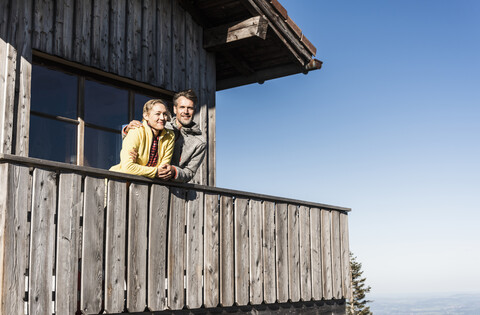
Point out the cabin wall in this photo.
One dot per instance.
(150, 41)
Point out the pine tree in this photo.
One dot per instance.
(358, 305)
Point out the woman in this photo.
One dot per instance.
(153, 143)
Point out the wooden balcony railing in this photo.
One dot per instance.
(77, 238)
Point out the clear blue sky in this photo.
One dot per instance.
(390, 126)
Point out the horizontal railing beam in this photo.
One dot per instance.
(86, 170)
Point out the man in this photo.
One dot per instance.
(189, 149)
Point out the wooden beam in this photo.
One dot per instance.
(224, 35)
(266, 74)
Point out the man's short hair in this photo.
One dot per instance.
(188, 94)
(149, 104)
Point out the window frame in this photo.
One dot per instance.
(83, 73)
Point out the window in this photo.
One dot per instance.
(76, 117)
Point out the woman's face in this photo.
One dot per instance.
(156, 117)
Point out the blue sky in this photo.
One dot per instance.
(390, 126)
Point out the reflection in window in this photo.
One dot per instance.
(58, 120)
(54, 92)
(102, 148)
(140, 100)
(53, 140)
(105, 105)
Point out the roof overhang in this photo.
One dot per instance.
(254, 40)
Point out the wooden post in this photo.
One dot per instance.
(42, 244)
(212, 251)
(68, 243)
(194, 250)
(115, 259)
(157, 247)
(13, 237)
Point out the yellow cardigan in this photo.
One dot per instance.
(140, 140)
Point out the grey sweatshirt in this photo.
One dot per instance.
(189, 150)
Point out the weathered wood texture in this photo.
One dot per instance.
(13, 237)
(68, 242)
(150, 246)
(148, 41)
(115, 257)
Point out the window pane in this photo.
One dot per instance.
(53, 140)
(102, 148)
(105, 105)
(54, 92)
(140, 100)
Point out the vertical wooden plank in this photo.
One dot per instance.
(164, 44)
(63, 36)
(83, 23)
(202, 111)
(23, 116)
(115, 259)
(293, 254)
(178, 47)
(345, 256)
(157, 248)
(305, 255)
(194, 267)
(100, 34)
(68, 240)
(4, 13)
(211, 89)
(24, 40)
(212, 251)
(8, 71)
(42, 242)
(326, 254)
(116, 43)
(148, 41)
(281, 228)
(176, 249)
(13, 232)
(256, 258)
(241, 251)
(269, 288)
(315, 228)
(226, 251)
(137, 248)
(91, 291)
(43, 15)
(134, 40)
(336, 256)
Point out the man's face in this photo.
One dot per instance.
(184, 111)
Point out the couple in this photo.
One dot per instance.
(158, 148)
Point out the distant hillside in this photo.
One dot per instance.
(443, 304)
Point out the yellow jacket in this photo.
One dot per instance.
(140, 140)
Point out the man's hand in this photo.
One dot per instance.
(134, 155)
(165, 171)
(133, 125)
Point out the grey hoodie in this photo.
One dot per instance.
(189, 150)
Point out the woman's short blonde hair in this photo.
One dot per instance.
(148, 106)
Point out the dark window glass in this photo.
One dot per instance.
(54, 92)
(53, 140)
(140, 100)
(105, 105)
(102, 148)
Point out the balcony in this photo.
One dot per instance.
(83, 239)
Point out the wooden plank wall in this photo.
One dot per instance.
(149, 41)
(134, 246)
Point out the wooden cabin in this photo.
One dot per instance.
(77, 238)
